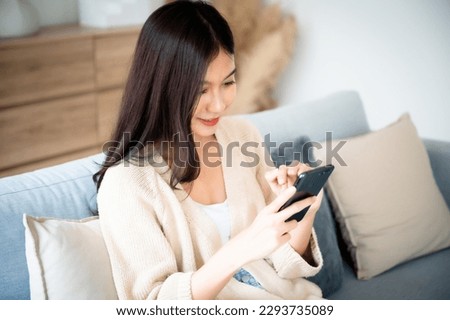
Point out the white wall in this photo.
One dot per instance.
(396, 53)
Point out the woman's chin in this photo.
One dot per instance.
(204, 134)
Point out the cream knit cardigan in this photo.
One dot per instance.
(157, 237)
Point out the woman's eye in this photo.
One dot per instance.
(229, 83)
(203, 91)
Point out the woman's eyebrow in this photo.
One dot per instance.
(229, 75)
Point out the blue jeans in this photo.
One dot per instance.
(245, 277)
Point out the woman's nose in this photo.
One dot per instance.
(217, 103)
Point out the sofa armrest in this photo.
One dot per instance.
(439, 154)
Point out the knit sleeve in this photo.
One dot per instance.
(290, 265)
(285, 260)
(143, 263)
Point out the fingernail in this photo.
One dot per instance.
(291, 189)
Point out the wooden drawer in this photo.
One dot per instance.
(43, 130)
(108, 103)
(113, 56)
(45, 70)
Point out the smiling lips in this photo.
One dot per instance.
(210, 122)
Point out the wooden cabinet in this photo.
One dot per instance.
(59, 94)
(47, 70)
(108, 103)
(112, 58)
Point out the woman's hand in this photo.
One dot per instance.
(269, 229)
(281, 178)
(301, 234)
(266, 233)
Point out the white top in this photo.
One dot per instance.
(220, 215)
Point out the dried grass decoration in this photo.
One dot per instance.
(264, 40)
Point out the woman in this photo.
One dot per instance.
(184, 216)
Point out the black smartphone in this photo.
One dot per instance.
(308, 184)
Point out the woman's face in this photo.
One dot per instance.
(218, 93)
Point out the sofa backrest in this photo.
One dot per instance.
(64, 191)
(68, 191)
(340, 113)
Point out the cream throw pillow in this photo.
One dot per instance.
(386, 200)
(67, 259)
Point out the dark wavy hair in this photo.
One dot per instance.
(175, 46)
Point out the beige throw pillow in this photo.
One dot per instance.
(67, 259)
(386, 200)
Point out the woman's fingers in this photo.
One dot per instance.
(282, 175)
(272, 179)
(291, 172)
(272, 175)
(290, 225)
(281, 199)
(296, 207)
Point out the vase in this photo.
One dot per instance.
(115, 13)
(18, 18)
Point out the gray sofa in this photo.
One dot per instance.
(67, 191)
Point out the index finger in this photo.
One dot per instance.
(281, 199)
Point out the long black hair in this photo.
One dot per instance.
(175, 46)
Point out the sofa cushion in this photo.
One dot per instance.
(421, 278)
(386, 199)
(329, 278)
(67, 259)
(65, 191)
